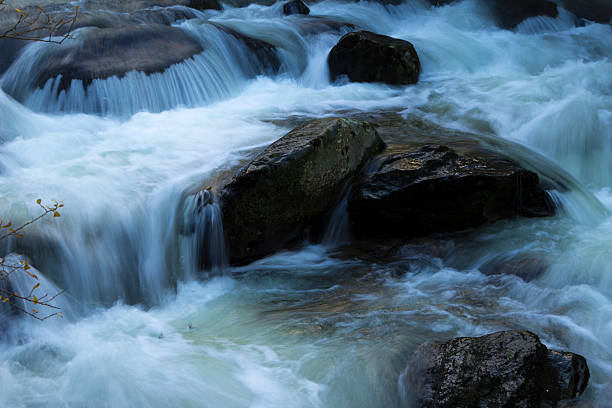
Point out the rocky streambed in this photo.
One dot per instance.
(312, 204)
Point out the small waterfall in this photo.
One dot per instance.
(217, 73)
(338, 230)
(204, 242)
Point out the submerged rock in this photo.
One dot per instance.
(504, 369)
(295, 7)
(106, 52)
(512, 13)
(367, 57)
(292, 183)
(420, 189)
(526, 266)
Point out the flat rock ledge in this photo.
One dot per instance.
(503, 369)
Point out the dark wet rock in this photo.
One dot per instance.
(291, 184)
(246, 3)
(115, 51)
(367, 57)
(573, 373)
(440, 3)
(504, 369)
(295, 7)
(10, 50)
(415, 190)
(599, 11)
(526, 266)
(512, 13)
(205, 4)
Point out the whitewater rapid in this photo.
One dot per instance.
(309, 328)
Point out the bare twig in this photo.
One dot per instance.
(8, 268)
(39, 26)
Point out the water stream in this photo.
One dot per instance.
(146, 327)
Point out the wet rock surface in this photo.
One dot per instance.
(367, 57)
(106, 52)
(205, 4)
(599, 11)
(512, 13)
(295, 7)
(503, 369)
(416, 190)
(292, 183)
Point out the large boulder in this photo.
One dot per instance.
(504, 369)
(512, 13)
(106, 52)
(367, 57)
(291, 184)
(417, 189)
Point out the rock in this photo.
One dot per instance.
(599, 11)
(367, 57)
(291, 184)
(106, 52)
(205, 4)
(246, 3)
(440, 3)
(512, 13)
(573, 373)
(295, 7)
(415, 190)
(503, 369)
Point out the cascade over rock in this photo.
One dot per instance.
(419, 189)
(503, 369)
(106, 52)
(264, 52)
(292, 183)
(368, 57)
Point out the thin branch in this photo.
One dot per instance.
(28, 25)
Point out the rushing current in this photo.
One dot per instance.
(144, 327)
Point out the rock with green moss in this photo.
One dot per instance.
(367, 57)
(287, 187)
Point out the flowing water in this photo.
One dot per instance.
(145, 327)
